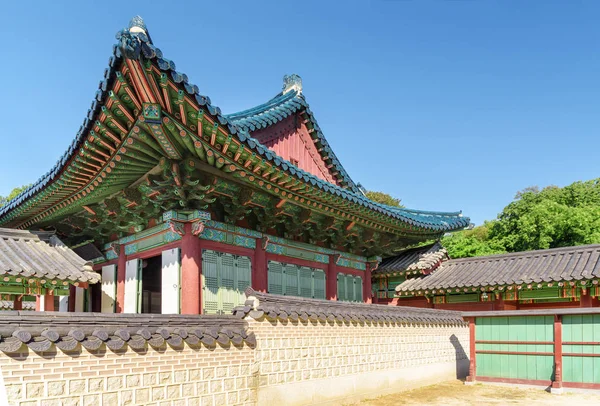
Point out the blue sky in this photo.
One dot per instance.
(450, 105)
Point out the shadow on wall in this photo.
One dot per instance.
(462, 368)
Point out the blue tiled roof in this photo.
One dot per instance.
(236, 124)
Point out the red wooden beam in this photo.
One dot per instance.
(515, 342)
(513, 352)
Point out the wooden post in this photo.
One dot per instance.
(557, 383)
(18, 303)
(472, 356)
(331, 286)
(191, 270)
(260, 271)
(48, 301)
(367, 285)
(121, 265)
(586, 298)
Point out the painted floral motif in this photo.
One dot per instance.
(151, 111)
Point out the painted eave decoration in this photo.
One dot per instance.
(564, 268)
(147, 115)
(28, 258)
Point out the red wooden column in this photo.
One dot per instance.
(331, 286)
(191, 269)
(557, 383)
(260, 271)
(472, 359)
(121, 264)
(18, 303)
(367, 284)
(586, 298)
(71, 298)
(49, 302)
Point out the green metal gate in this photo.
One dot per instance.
(224, 279)
(516, 348)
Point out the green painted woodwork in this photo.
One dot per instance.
(521, 329)
(546, 293)
(462, 298)
(392, 282)
(349, 288)
(581, 328)
(224, 279)
(295, 280)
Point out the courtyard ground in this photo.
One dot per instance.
(455, 393)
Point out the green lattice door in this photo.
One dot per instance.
(224, 279)
(295, 280)
(349, 288)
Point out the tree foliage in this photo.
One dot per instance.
(383, 198)
(14, 193)
(537, 219)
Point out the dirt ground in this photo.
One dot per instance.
(455, 393)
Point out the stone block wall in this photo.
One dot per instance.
(274, 351)
(317, 362)
(186, 376)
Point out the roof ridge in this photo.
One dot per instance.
(524, 254)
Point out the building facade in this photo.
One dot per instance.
(181, 207)
(541, 279)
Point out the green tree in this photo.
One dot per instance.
(537, 218)
(550, 218)
(472, 243)
(383, 198)
(14, 193)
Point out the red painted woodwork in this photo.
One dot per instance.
(472, 357)
(18, 303)
(513, 352)
(48, 302)
(578, 354)
(536, 382)
(122, 261)
(581, 385)
(412, 302)
(259, 272)
(498, 304)
(514, 342)
(290, 140)
(331, 283)
(367, 285)
(191, 269)
(586, 299)
(71, 299)
(558, 354)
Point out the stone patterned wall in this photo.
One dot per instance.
(293, 362)
(312, 361)
(186, 377)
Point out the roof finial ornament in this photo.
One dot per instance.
(134, 40)
(292, 82)
(136, 24)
